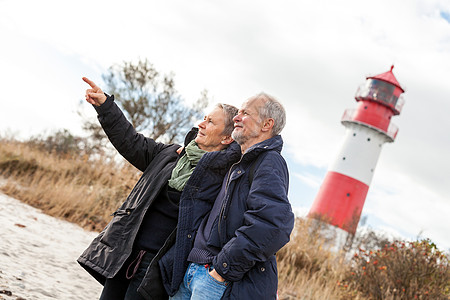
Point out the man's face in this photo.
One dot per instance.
(210, 131)
(247, 123)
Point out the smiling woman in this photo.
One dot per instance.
(212, 133)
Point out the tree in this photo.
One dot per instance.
(150, 101)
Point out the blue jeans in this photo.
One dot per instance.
(199, 285)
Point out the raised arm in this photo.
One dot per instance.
(133, 146)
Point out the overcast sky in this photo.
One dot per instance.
(312, 55)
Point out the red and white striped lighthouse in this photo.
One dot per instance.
(341, 197)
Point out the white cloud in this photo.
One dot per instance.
(308, 179)
(410, 207)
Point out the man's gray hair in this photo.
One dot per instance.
(273, 109)
(230, 112)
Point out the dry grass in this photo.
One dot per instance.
(307, 269)
(79, 189)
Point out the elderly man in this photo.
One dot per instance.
(124, 256)
(233, 254)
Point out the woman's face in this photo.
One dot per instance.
(210, 131)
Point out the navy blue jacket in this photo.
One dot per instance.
(256, 220)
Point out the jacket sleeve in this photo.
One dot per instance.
(267, 221)
(133, 146)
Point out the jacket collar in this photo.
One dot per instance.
(274, 143)
(222, 159)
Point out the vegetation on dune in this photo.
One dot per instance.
(61, 176)
(400, 270)
(65, 181)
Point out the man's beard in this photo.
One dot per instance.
(240, 138)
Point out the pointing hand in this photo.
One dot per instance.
(94, 95)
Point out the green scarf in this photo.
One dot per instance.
(185, 166)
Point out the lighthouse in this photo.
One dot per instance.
(341, 197)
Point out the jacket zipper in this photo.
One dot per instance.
(225, 202)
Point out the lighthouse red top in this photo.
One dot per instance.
(383, 89)
(388, 77)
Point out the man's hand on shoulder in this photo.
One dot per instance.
(179, 150)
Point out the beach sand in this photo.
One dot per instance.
(38, 255)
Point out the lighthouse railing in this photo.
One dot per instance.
(392, 131)
(371, 93)
(400, 103)
(349, 117)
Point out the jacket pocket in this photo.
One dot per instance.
(122, 212)
(113, 232)
(261, 282)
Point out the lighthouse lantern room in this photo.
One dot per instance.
(341, 197)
